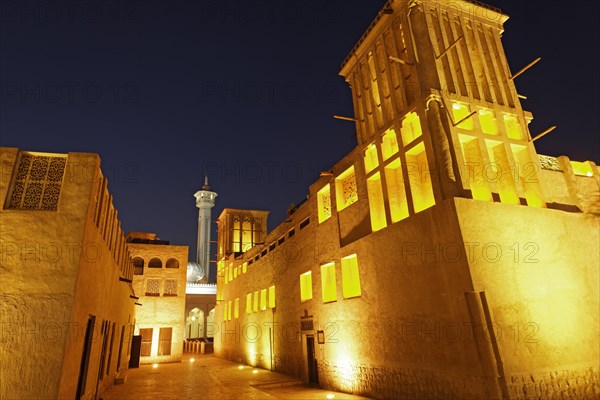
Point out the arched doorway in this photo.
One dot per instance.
(210, 324)
(195, 324)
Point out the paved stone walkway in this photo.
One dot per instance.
(209, 377)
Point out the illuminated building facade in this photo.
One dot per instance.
(67, 302)
(159, 280)
(442, 257)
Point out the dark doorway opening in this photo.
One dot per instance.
(136, 344)
(313, 373)
(85, 356)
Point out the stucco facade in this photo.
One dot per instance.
(159, 280)
(66, 301)
(442, 257)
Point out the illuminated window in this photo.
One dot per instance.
(229, 310)
(513, 127)
(396, 192)
(411, 128)
(244, 267)
(582, 168)
(389, 144)
(350, 277)
(474, 168)
(272, 297)
(376, 206)
(249, 303)
(235, 273)
(306, 286)
(419, 177)
(528, 175)
(224, 311)
(236, 308)
(328, 285)
(247, 232)
(345, 189)
(499, 172)
(230, 269)
(371, 160)
(459, 112)
(263, 299)
(255, 303)
(488, 122)
(324, 203)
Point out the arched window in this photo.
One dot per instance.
(172, 263)
(155, 263)
(138, 266)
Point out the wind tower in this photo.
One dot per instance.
(205, 201)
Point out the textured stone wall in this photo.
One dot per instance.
(387, 382)
(580, 384)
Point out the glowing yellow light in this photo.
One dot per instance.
(474, 168)
(241, 367)
(528, 175)
(255, 371)
(371, 160)
(488, 123)
(154, 365)
(345, 189)
(306, 286)
(582, 168)
(192, 360)
(419, 177)
(328, 282)
(389, 144)
(324, 203)
(330, 396)
(396, 191)
(411, 128)
(350, 277)
(513, 127)
(460, 112)
(193, 318)
(376, 205)
(498, 172)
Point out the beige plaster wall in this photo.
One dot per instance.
(160, 311)
(43, 310)
(540, 273)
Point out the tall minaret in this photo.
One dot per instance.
(205, 200)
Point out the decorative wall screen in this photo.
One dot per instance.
(170, 287)
(153, 287)
(37, 183)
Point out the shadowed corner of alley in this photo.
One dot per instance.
(209, 377)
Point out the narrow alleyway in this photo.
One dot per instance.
(209, 377)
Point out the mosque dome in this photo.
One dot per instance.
(195, 272)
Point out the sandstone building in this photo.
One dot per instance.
(159, 279)
(442, 257)
(66, 299)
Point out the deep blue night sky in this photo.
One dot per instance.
(242, 89)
